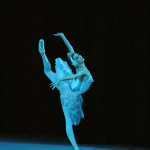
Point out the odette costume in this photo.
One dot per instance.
(69, 96)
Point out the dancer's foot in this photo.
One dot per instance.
(41, 46)
(76, 148)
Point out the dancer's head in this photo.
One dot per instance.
(75, 59)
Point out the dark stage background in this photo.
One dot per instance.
(113, 36)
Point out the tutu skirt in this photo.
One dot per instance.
(70, 99)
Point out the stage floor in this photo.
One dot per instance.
(17, 145)
(52, 143)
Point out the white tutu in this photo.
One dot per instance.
(70, 98)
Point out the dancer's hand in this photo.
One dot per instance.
(41, 46)
(58, 34)
(55, 84)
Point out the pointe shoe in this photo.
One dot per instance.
(76, 148)
(41, 46)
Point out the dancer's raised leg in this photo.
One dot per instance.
(47, 66)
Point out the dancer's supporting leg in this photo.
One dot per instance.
(69, 129)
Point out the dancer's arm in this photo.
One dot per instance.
(77, 75)
(71, 50)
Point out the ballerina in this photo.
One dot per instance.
(70, 85)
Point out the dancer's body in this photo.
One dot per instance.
(70, 85)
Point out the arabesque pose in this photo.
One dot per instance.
(70, 85)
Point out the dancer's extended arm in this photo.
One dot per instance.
(77, 75)
(72, 76)
(71, 50)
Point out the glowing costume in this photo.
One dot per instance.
(69, 97)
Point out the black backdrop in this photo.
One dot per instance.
(114, 39)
